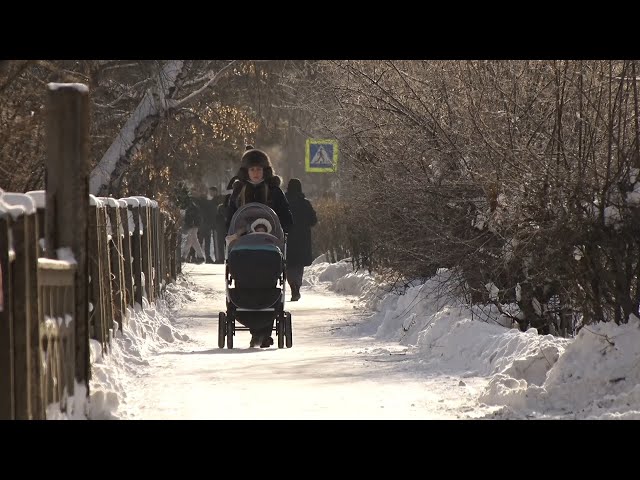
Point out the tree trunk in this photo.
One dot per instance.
(138, 128)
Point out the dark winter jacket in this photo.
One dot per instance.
(223, 207)
(299, 238)
(192, 215)
(208, 211)
(221, 218)
(265, 192)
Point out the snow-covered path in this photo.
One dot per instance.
(329, 373)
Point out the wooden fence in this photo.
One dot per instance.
(70, 265)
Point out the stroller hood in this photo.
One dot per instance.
(249, 213)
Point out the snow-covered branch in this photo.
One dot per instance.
(214, 78)
(122, 95)
(157, 101)
(136, 130)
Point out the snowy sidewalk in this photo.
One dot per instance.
(327, 374)
(421, 355)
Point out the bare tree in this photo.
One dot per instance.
(504, 171)
(160, 99)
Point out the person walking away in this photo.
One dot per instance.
(299, 253)
(209, 215)
(190, 227)
(220, 232)
(226, 196)
(205, 227)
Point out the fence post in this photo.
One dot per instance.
(167, 238)
(67, 190)
(126, 253)
(26, 326)
(7, 407)
(105, 272)
(162, 250)
(145, 245)
(115, 254)
(157, 249)
(96, 317)
(136, 250)
(39, 198)
(21, 362)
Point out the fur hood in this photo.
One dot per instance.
(255, 158)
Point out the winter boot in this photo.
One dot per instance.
(295, 294)
(267, 342)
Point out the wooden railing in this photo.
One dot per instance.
(129, 257)
(56, 300)
(71, 268)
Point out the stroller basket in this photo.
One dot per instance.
(255, 298)
(255, 266)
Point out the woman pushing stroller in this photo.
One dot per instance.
(257, 183)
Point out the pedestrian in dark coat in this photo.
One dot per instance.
(256, 183)
(220, 231)
(209, 209)
(299, 253)
(227, 194)
(191, 224)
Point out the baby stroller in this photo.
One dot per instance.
(255, 275)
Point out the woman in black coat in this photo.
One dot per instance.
(299, 239)
(257, 183)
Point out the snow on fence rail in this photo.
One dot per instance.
(69, 267)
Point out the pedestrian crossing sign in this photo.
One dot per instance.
(321, 156)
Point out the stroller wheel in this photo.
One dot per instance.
(288, 334)
(230, 331)
(222, 329)
(280, 330)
